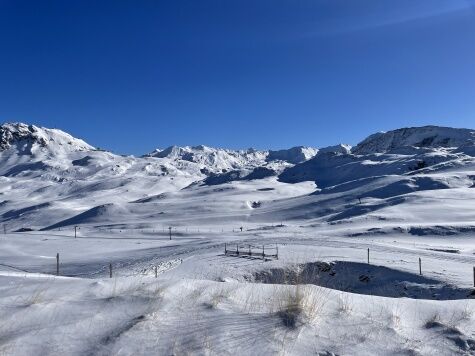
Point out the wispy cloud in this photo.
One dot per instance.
(394, 16)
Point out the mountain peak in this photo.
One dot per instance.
(213, 159)
(336, 149)
(425, 136)
(223, 160)
(293, 155)
(28, 138)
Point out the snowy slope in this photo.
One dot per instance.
(50, 179)
(403, 203)
(213, 159)
(48, 176)
(218, 160)
(292, 155)
(29, 139)
(427, 136)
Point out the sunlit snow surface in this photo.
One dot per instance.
(404, 196)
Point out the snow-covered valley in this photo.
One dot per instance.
(376, 247)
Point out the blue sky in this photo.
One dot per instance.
(131, 76)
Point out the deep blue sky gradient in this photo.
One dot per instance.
(131, 76)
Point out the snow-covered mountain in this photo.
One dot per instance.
(423, 137)
(47, 175)
(30, 139)
(399, 152)
(218, 160)
(214, 160)
(304, 216)
(294, 155)
(49, 178)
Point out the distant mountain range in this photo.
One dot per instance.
(48, 178)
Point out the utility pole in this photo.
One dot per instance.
(170, 231)
(75, 231)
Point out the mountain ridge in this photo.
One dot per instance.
(48, 177)
(429, 136)
(423, 136)
(24, 136)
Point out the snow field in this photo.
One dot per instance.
(206, 303)
(404, 195)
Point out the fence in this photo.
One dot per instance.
(252, 251)
(263, 252)
(79, 231)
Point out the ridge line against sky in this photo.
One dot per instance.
(158, 148)
(132, 76)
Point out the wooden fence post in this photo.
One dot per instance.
(110, 270)
(368, 255)
(237, 249)
(225, 249)
(57, 264)
(249, 250)
(156, 272)
(263, 252)
(420, 266)
(277, 251)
